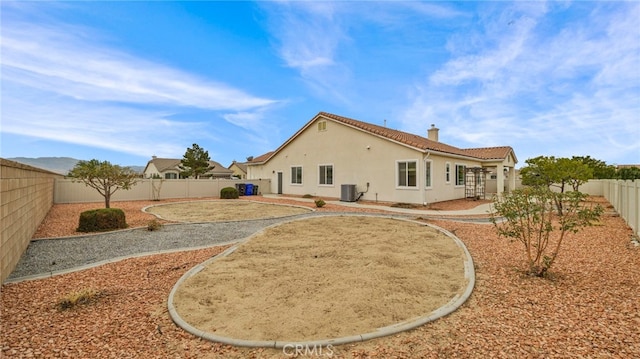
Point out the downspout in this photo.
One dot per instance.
(422, 188)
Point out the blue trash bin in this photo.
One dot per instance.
(248, 189)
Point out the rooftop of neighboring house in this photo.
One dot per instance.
(171, 164)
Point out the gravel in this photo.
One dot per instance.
(58, 254)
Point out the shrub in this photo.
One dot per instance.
(229, 193)
(103, 219)
(154, 225)
(78, 297)
(319, 203)
(528, 216)
(307, 196)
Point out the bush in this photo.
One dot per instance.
(103, 219)
(307, 196)
(530, 215)
(154, 225)
(229, 193)
(320, 203)
(79, 297)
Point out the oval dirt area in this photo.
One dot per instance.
(221, 210)
(323, 277)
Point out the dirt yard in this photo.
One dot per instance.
(324, 278)
(221, 210)
(589, 307)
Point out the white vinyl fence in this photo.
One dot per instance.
(68, 191)
(624, 196)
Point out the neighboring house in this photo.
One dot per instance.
(334, 156)
(169, 168)
(239, 169)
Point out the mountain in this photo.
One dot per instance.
(60, 165)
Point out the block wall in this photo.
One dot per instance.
(26, 195)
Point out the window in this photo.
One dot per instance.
(296, 175)
(170, 176)
(326, 175)
(460, 171)
(407, 175)
(447, 172)
(322, 126)
(427, 174)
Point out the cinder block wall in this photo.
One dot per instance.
(26, 195)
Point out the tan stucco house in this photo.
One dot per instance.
(239, 169)
(339, 157)
(169, 168)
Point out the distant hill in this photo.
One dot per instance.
(61, 165)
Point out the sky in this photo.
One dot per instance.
(124, 81)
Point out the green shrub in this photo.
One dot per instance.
(229, 193)
(320, 203)
(103, 219)
(307, 196)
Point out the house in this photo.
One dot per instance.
(239, 169)
(339, 157)
(169, 168)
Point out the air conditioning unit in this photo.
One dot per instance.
(348, 193)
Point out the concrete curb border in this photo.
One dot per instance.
(114, 260)
(452, 305)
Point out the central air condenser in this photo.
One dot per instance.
(348, 193)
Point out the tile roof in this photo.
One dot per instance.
(241, 165)
(489, 153)
(484, 153)
(165, 164)
(409, 139)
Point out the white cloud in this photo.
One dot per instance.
(537, 89)
(57, 61)
(62, 83)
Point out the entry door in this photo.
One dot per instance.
(279, 182)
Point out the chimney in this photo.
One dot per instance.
(432, 133)
(154, 157)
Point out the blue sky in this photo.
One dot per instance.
(122, 81)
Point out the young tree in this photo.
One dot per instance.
(555, 172)
(529, 218)
(601, 170)
(628, 173)
(195, 162)
(104, 177)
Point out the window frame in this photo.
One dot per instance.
(447, 172)
(460, 176)
(428, 174)
(291, 175)
(320, 172)
(407, 174)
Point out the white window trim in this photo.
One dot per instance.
(428, 164)
(447, 172)
(417, 186)
(333, 177)
(456, 175)
(301, 177)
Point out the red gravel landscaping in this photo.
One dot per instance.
(588, 307)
